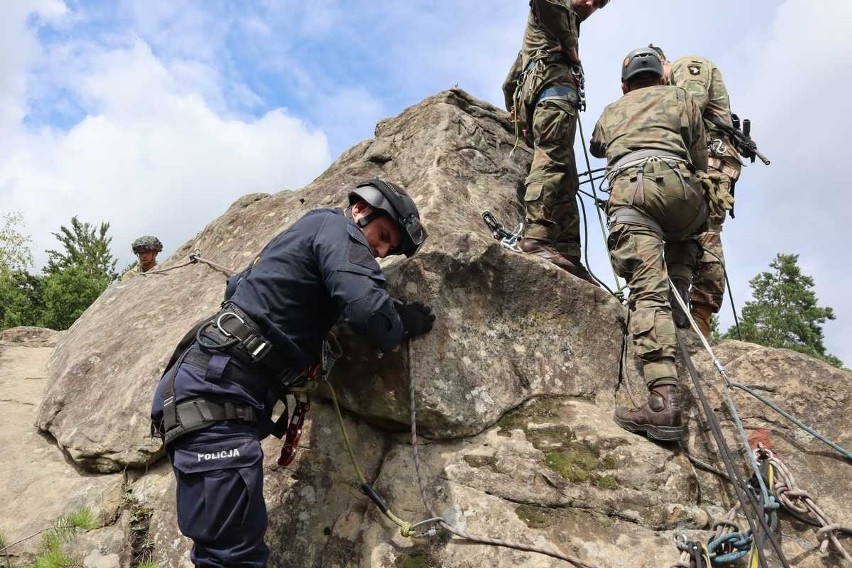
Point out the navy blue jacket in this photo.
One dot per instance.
(315, 273)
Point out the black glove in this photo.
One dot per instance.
(417, 317)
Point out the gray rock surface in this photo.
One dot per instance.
(515, 388)
(30, 336)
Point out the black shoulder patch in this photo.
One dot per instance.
(360, 255)
(693, 69)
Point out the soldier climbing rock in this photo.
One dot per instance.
(703, 80)
(654, 143)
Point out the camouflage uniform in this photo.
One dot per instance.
(702, 79)
(542, 91)
(660, 240)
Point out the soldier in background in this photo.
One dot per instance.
(541, 93)
(146, 249)
(703, 80)
(653, 140)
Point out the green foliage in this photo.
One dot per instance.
(784, 312)
(67, 293)
(86, 247)
(14, 246)
(20, 298)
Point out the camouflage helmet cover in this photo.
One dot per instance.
(147, 243)
(644, 60)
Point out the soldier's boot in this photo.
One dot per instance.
(659, 418)
(545, 251)
(678, 315)
(703, 316)
(579, 270)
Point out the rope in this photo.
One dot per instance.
(729, 401)
(844, 452)
(744, 496)
(194, 257)
(457, 532)
(800, 502)
(591, 181)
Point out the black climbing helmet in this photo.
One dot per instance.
(641, 61)
(147, 243)
(390, 199)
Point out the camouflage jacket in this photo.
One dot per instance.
(551, 24)
(660, 118)
(703, 80)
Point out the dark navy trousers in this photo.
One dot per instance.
(220, 503)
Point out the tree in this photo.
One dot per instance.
(19, 304)
(67, 293)
(14, 246)
(86, 247)
(784, 312)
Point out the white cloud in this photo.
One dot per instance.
(153, 157)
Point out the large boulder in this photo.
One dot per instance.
(515, 389)
(509, 327)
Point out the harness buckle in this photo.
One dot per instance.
(223, 317)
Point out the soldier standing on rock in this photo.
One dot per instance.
(703, 80)
(541, 92)
(653, 141)
(214, 404)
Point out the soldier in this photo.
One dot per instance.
(653, 141)
(703, 80)
(541, 93)
(146, 249)
(214, 404)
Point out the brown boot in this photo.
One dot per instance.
(703, 316)
(678, 315)
(579, 270)
(659, 418)
(545, 251)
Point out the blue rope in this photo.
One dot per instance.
(844, 452)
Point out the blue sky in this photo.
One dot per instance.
(156, 115)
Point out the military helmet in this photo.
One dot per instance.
(641, 61)
(659, 51)
(147, 243)
(390, 199)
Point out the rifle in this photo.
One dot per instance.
(741, 138)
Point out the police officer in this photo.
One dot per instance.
(542, 94)
(214, 404)
(653, 140)
(146, 249)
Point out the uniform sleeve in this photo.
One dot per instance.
(719, 101)
(557, 19)
(597, 145)
(511, 83)
(356, 284)
(695, 136)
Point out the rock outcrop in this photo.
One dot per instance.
(515, 388)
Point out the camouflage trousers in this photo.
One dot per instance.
(708, 281)
(640, 256)
(551, 186)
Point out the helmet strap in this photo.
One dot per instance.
(367, 219)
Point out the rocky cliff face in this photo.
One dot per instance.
(515, 388)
